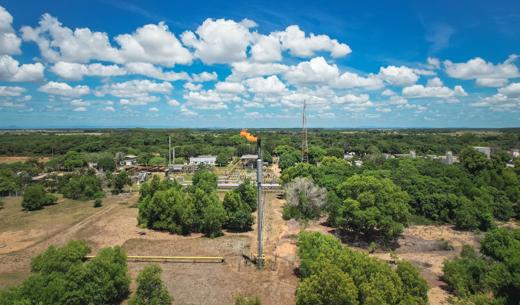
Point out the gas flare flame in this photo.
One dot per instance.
(246, 135)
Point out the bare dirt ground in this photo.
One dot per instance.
(116, 224)
(423, 246)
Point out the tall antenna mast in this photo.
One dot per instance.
(305, 144)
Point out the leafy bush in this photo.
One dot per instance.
(214, 218)
(239, 216)
(372, 208)
(61, 277)
(248, 193)
(82, 186)
(492, 276)
(120, 181)
(242, 300)
(98, 203)
(205, 180)
(332, 274)
(150, 288)
(35, 197)
(165, 205)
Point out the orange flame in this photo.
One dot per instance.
(246, 135)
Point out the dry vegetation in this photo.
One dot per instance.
(24, 235)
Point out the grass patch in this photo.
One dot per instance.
(421, 220)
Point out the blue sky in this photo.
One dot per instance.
(253, 63)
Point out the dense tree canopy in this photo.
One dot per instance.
(372, 207)
(332, 274)
(166, 205)
(60, 276)
(81, 186)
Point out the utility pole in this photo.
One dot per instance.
(305, 144)
(260, 208)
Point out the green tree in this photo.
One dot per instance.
(106, 162)
(157, 161)
(223, 158)
(239, 216)
(289, 159)
(333, 274)
(465, 275)
(172, 210)
(73, 160)
(35, 197)
(316, 153)
(473, 215)
(150, 288)
(413, 283)
(372, 208)
(247, 191)
(82, 187)
(329, 286)
(205, 180)
(214, 217)
(473, 160)
(60, 276)
(119, 181)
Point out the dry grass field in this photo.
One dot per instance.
(26, 234)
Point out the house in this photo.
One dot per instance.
(130, 160)
(515, 152)
(93, 165)
(485, 150)
(203, 160)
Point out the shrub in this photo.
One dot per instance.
(61, 277)
(242, 300)
(82, 187)
(98, 203)
(35, 197)
(372, 208)
(332, 274)
(239, 216)
(213, 219)
(150, 288)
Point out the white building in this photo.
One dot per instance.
(130, 160)
(515, 152)
(203, 160)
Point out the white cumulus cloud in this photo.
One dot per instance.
(9, 42)
(64, 89)
(12, 71)
(398, 76)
